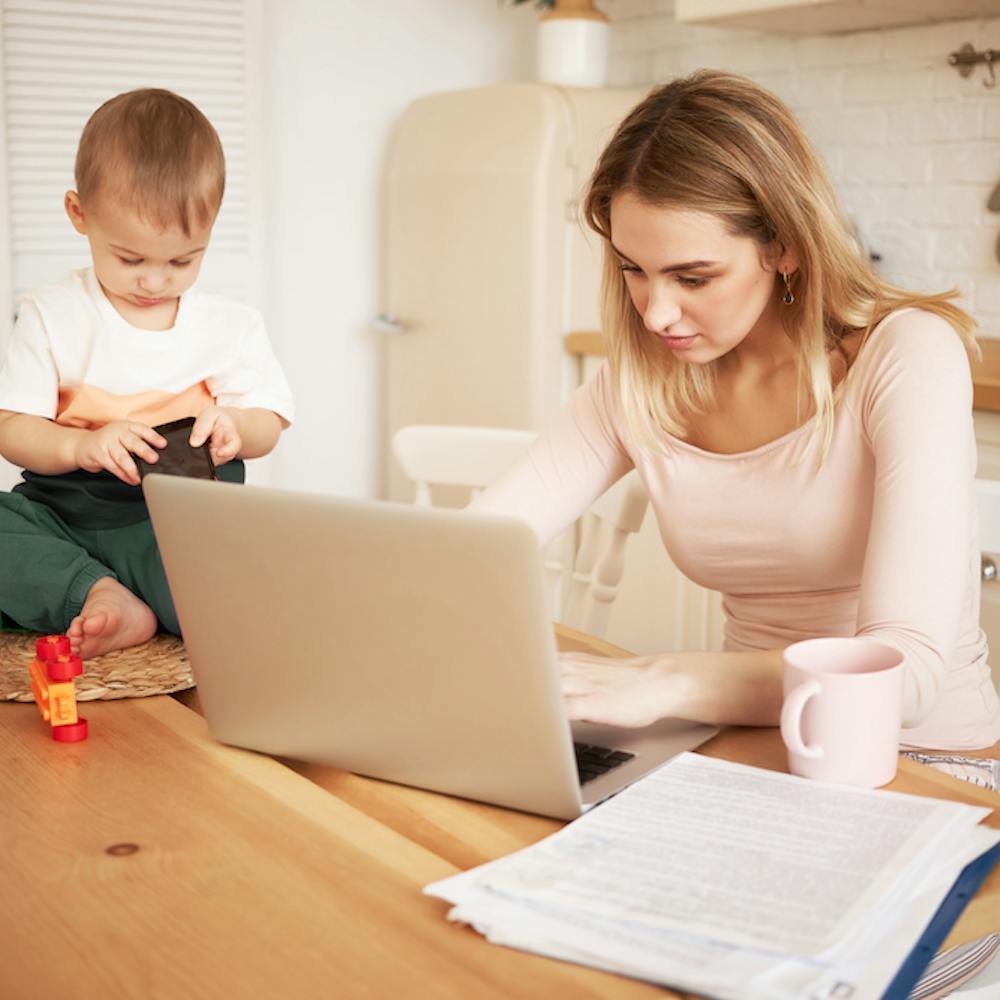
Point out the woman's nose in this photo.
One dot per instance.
(662, 310)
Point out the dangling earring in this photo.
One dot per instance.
(787, 298)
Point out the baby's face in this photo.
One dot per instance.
(143, 268)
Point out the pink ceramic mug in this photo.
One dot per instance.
(841, 715)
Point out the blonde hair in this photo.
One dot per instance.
(154, 152)
(718, 143)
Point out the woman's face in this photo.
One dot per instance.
(701, 290)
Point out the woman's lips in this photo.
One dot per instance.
(678, 343)
(147, 302)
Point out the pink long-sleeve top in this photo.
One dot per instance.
(881, 540)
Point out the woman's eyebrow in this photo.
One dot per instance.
(691, 265)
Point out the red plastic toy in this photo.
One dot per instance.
(52, 672)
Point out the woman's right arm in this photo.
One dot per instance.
(577, 458)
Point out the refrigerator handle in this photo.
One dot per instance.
(387, 323)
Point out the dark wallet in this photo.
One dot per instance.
(179, 458)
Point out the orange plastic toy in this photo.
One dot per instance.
(52, 672)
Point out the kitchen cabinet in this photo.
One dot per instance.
(812, 17)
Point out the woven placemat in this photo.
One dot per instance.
(159, 666)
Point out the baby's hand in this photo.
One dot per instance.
(111, 447)
(218, 426)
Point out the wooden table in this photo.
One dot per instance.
(152, 862)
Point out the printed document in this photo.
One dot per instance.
(733, 881)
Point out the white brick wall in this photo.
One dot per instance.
(914, 148)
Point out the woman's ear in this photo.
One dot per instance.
(786, 261)
(779, 259)
(75, 212)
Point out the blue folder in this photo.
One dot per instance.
(972, 877)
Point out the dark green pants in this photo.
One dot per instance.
(47, 566)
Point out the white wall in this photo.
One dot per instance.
(913, 148)
(336, 76)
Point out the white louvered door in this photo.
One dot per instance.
(61, 59)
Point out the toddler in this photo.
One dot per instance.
(100, 357)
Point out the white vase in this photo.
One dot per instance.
(573, 46)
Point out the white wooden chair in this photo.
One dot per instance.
(471, 457)
(587, 564)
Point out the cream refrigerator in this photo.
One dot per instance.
(487, 263)
(487, 267)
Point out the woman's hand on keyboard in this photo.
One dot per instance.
(718, 688)
(616, 692)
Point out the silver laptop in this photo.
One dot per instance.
(405, 643)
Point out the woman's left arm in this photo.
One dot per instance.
(918, 578)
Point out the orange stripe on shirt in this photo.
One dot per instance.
(87, 407)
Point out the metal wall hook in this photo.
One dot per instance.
(966, 57)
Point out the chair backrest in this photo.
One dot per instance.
(587, 565)
(600, 554)
(456, 456)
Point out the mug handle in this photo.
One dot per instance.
(791, 720)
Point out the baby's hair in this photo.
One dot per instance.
(154, 152)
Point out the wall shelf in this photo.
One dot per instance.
(811, 17)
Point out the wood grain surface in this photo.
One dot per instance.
(152, 862)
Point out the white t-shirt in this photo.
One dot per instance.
(74, 359)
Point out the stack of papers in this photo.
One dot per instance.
(732, 881)
(982, 771)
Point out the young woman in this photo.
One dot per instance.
(804, 429)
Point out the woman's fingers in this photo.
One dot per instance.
(580, 708)
(593, 670)
(607, 691)
(576, 685)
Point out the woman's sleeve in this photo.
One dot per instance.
(572, 463)
(916, 406)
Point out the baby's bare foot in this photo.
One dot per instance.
(112, 618)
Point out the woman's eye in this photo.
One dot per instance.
(180, 263)
(689, 282)
(130, 263)
(627, 268)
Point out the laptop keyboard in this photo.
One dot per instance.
(593, 761)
